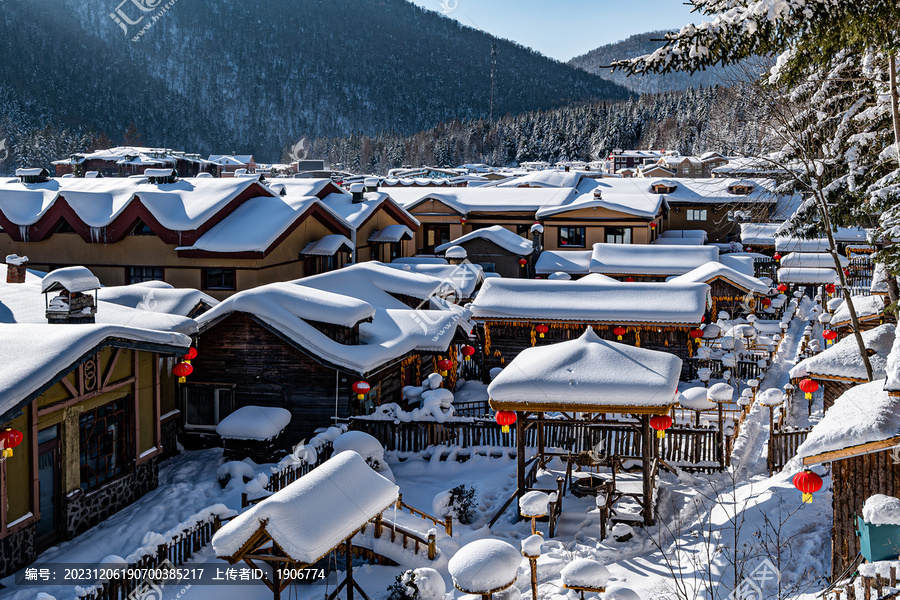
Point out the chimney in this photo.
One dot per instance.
(357, 191)
(537, 234)
(372, 184)
(456, 255)
(75, 303)
(567, 168)
(15, 268)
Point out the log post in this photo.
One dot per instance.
(645, 468)
(532, 562)
(378, 525)
(431, 546)
(520, 459)
(448, 525)
(349, 582)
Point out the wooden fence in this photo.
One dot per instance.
(172, 554)
(690, 448)
(783, 446)
(866, 588)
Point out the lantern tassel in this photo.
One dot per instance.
(182, 379)
(660, 434)
(505, 429)
(7, 453)
(360, 396)
(808, 396)
(807, 498)
(619, 337)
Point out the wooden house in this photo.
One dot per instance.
(516, 314)
(90, 400)
(869, 313)
(734, 292)
(302, 345)
(496, 249)
(859, 438)
(839, 368)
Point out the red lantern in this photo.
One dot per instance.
(809, 386)
(542, 329)
(361, 388)
(444, 366)
(829, 334)
(777, 257)
(463, 219)
(696, 333)
(652, 225)
(468, 352)
(10, 438)
(846, 272)
(782, 287)
(619, 332)
(766, 302)
(809, 483)
(522, 262)
(182, 370)
(660, 423)
(191, 355)
(629, 279)
(505, 418)
(830, 288)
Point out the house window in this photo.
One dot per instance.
(141, 228)
(571, 237)
(206, 405)
(142, 274)
(435, 235)
(218, 279)
(524, 230)
(696, 214)
(618, 235)
(105, 443)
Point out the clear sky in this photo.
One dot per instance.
(565, 28)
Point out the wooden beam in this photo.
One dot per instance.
(136, 402)
(852, 451)
(69, 387)
(157, 410)
(56, 406)
(111, 367)
(520, 459)
(588, 410)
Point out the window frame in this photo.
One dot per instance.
(204, 279)
(217, 405)
(689, 214)
(627, 235)
(559, 236)
(130, 279)
(124, 437)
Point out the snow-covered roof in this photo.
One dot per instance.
(23, 303)
(550, 178)
(866, 307)
(254, 423)
(646, 259)
(678, 242)
(496, 234)
(357, 213)
(574, 262)
(587, 374)
(809, 276)
(759, 234)
(879, 279)
(812, 260)
(34, 355)
(255, 225)
(843, 360)
(327, 245)
(742, 262)
(392, 233)
(484, 199)
(345, 297)
(863, 414)
(180, 206)
(156, 296)
(71, 279)
(461, 279)
(314, 514)
(792, 244)
(697, 190)
(231, 159)
(631, 196)
(710, 271)
(619, 302)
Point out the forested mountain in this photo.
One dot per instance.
(689, 122)
(638, 45)
(223, 75)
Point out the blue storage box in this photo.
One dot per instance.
(878, 542)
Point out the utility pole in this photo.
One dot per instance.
(494, 53)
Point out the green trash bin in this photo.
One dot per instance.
(878, 542)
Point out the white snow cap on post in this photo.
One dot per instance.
(585, 573)
(485, 566)
(695, 399)
(456, 252)
(771, 398)
(16, 260)
(532, 545)
(534, 504)
(881, 510)
(720, 392)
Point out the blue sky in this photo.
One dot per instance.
(565, 28)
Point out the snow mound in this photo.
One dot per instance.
(882, 510)
(773, 397)
(695, 399)
(430, 584)
(585, 573)
(485, 566)
(620, 593)
(254, 423)
(720, 392)
(368, 447)
(234, 470)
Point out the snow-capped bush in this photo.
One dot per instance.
(458, 502)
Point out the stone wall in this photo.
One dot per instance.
(18, 550)
(81, 511)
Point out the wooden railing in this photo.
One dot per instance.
(446, 522)
(783, 446)
(689, 448)
(405, 536)
(866, 588)
(477, 408)
(171, 554)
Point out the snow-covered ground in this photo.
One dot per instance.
(713, 531)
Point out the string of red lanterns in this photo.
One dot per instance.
(184, 368)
